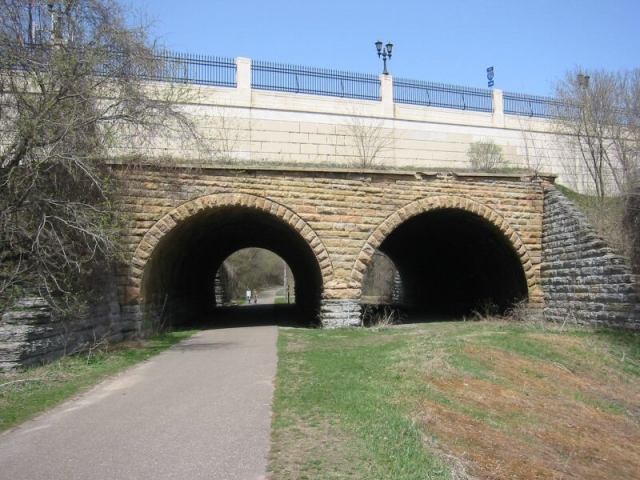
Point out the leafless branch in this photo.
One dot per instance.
(72, 87)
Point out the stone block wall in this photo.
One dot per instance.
(582, 278)
(271, 127)
(343, 214)
(30, 334)
(341, 313)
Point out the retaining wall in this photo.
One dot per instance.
(582, 278)
(31, 334)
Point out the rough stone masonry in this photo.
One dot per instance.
(341, 217)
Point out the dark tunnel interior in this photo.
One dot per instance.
(179, 278)
(453, 263)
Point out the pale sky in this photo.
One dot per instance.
(530, 44)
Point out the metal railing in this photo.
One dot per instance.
(220, 71)
(532, 105)
(432, 94)
(167, 66)
(194, 69)
(315, 81)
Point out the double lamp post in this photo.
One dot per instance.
(384, 53)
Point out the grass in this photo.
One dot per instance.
(28, 392)
(435, 401)
(457, 400)
(281, 297)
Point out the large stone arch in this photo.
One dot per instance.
(142, 253)
(440, 202)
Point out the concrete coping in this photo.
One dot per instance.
(344, 172)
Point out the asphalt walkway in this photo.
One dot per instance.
(201, 410)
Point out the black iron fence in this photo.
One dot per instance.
(167, 66)
(532, 105)
(432, 94)
(218, 71)
(195, 69)
(316, 81)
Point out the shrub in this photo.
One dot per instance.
(486, 156)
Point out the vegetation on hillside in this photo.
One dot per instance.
(258, 269)
(255, 269)
(606, 215)
(599, 122)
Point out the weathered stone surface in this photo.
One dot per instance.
(582, 278)
(342, 217)
(340, 313)
(30, 334)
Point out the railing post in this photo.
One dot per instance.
(498, 108)
(243, 80)
(386, 94)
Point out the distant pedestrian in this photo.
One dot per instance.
(248, 294)
(255, 296)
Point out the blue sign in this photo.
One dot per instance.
(490, 76)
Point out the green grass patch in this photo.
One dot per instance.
(28, 392)
(339, 389)
(451, 400)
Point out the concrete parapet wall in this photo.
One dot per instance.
(248, 125)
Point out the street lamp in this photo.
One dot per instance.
(384, 53)
(583, 80)
(56, 30)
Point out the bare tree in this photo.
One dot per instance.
(71, 85)
(227, 134)
(486, 156)
(601, 120)
(370, 139)
(535, 147)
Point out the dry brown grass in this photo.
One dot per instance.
(489, 400)
(534, 420)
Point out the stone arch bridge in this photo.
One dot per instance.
(458, 241)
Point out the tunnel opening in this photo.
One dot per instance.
(454, 264)
(179, 279)
(253, 276)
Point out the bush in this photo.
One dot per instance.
(486, 156)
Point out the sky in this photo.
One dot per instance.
(530, 44)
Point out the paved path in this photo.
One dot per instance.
(267, 297)
(201, 410)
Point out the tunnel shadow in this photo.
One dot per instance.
(454, 265)
(179, 277)
(252, 316)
